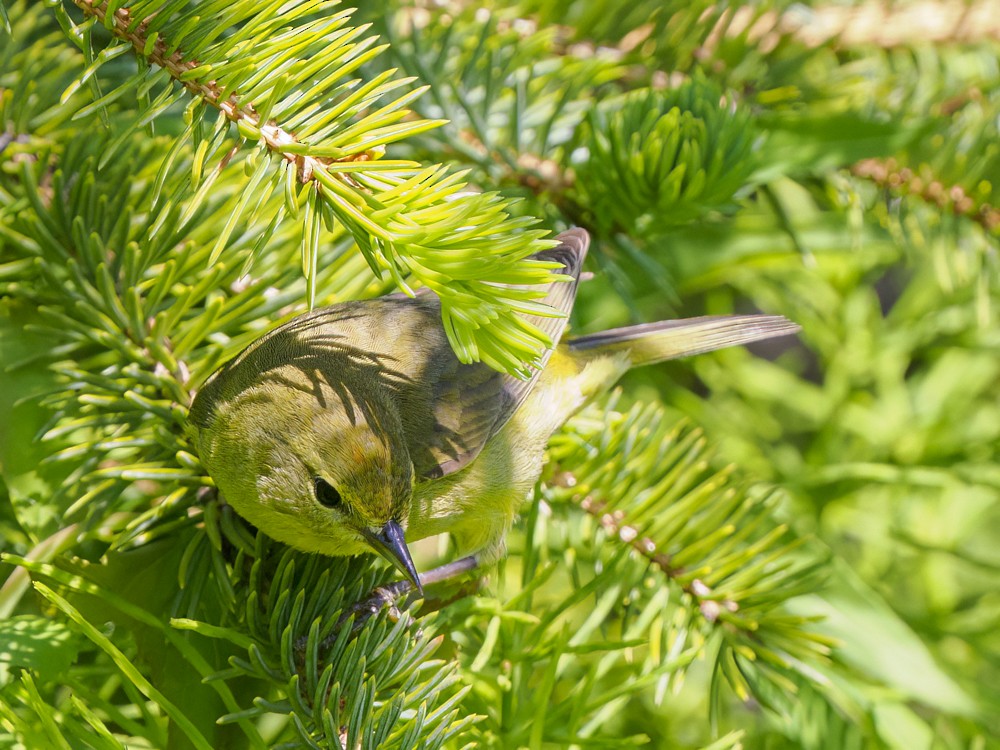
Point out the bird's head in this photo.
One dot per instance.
(325, 475)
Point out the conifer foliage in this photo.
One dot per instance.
(790, 547)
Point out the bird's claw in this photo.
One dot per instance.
(383, 596)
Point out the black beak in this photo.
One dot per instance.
(390, 543)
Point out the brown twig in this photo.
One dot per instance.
(276, 138)
(895, 25)
(887, 173)
(615, 524)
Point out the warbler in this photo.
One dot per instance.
(355, 428)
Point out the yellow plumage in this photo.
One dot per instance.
(346, 426)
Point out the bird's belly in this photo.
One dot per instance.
(478, 503)
(486, 494)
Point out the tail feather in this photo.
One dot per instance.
(649, 343)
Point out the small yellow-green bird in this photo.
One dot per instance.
(354, 428)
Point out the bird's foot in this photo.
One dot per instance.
(389, 595)
(392, 593)
(383, 596)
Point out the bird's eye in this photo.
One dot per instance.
(326, 493)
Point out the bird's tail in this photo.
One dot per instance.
(649, 343)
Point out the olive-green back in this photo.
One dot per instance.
(389, 358)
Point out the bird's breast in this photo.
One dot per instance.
(487, 494)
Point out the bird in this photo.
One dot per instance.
(355, 428)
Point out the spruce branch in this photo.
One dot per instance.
(657, 159)
(34, 70)
(888, 26)
(374, 686)
(285, 84)
(137, 319)
(648, 485)
(690, 145)
(921, 183)
(603, 606)
(155, 49)
(615, 524)
(767, 25)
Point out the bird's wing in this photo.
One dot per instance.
(571, 251)
(472, 402)
(388, 362)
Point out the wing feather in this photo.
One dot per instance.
(392, 355)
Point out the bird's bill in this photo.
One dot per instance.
(390, 543)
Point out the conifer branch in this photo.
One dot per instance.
(884, 25)
(888, 26)
(615, 524)
(649, 487)
(410, 221)
(157, 50)
(889, 174)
